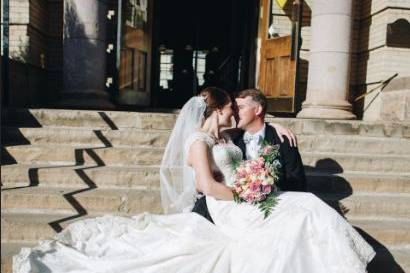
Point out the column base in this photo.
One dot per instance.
(310, 110)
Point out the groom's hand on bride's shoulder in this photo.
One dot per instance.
(283, 131)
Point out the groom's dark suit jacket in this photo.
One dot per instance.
(292, 174)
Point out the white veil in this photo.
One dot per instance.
(176, 177)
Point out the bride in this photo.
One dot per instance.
(301, 235)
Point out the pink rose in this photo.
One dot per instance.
(250, 198)
(267, 188)
(267, 150)
(254, 186)
(242, 174)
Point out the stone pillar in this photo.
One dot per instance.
(84, 55)
(329, 61)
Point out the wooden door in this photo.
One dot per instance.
(277, 70)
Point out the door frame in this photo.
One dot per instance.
(296, 41)
(143, 98)
(248, 65)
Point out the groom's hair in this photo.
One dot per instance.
(257, 96)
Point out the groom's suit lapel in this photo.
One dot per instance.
(241, 144)
(270, 134)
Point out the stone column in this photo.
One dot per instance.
(329, 61)
(84, 55)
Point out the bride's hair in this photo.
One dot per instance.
(215, 98)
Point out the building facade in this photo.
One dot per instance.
(128, 54)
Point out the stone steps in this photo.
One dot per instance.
(353, 144)
(114, 156)
(135, 120)
(147, 177)
(358, 182)
(82, 200)
(87, 138)
(89, 119)
(345, 127)
(87, 163)
(371, 206)
(66, 155)
(138, 177)
(135, 201)
(339, 162)
(20, 227)
(390, 233)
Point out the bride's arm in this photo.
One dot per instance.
(198, 158)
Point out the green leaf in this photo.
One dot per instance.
(236, 163)
(267, 205)
(236, 197)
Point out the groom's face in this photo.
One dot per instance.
(248, 111)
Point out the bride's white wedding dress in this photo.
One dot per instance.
(302, 235)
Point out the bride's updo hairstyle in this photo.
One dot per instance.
(215, 98)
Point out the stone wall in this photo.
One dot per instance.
(35, 51)
(377, 60)
(372, 60)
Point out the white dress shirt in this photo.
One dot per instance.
(253, 145)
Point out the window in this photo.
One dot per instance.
(166, 69)
(135, 13)
(199, 64)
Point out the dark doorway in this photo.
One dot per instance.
(202, 43)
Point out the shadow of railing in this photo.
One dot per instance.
(107, 120)
(19, 117)
(26, 119)
(33, 176)
(11, 135)
(33, 180)
(81, 172)
(6, 157)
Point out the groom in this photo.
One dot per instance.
(251, 110)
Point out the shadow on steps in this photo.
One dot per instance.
(384, 261)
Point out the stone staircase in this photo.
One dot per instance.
(59, 166)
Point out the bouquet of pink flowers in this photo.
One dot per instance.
(254, 180)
